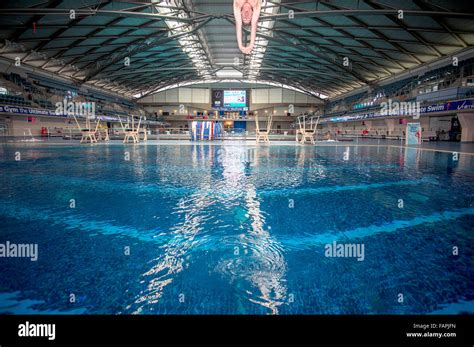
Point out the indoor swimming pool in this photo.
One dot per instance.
(236, 229)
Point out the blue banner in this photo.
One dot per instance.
(442, 107)
(449, 106)
(28, 111)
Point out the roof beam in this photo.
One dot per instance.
(310, 51)
(349, 12)
(144, 47)
(426, 6)
(91, 12)
(16, 35)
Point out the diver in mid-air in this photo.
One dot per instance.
(246, 12)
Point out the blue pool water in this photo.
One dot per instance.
(233, 229)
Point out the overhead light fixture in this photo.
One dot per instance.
(232, 73)
(191, 43)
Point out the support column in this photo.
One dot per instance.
(467, 124)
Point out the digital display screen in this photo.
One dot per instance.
(235, 98)
(230, 100)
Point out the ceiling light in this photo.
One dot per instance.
(229, 73)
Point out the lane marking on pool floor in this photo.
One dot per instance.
(84, 223)
(114, 186)
(362, 232)
(295, 191)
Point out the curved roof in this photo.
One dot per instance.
(325, 48)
